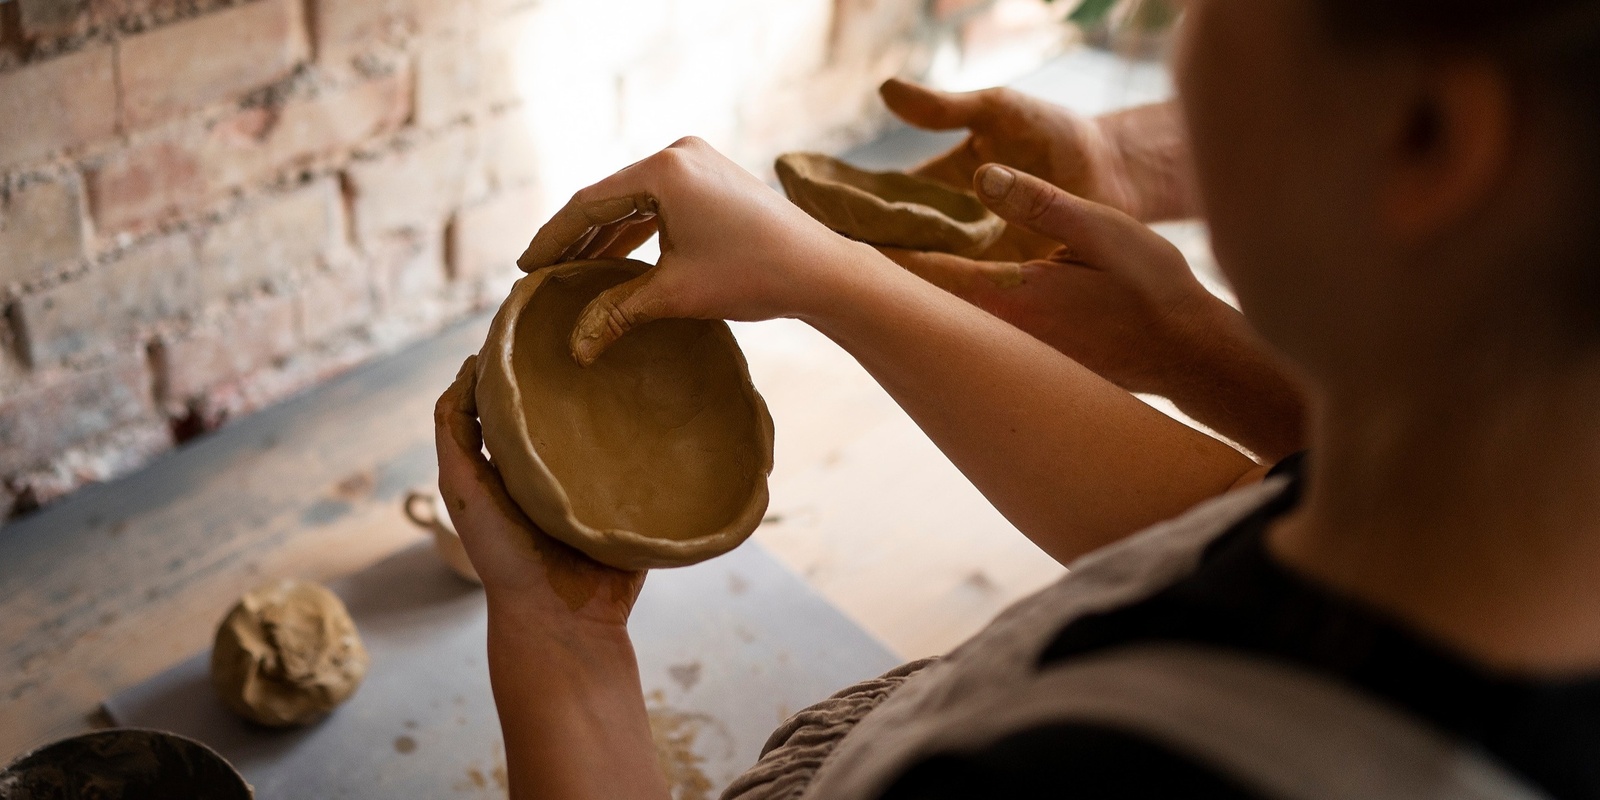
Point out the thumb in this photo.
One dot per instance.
(616, 311)
(928, 108)
(1038, 206)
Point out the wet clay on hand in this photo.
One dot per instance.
(287, 654)
(656, 455)
(888, 209)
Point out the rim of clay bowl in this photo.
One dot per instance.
(229, 784)
(551, 509)
(816, 168)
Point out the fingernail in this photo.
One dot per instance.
(996, 182)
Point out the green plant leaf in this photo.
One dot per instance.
(1092, 11)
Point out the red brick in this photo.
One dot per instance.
(270, 240)
(335, 300)
(62, 410)
(41, 229)
(257, 142)
(244, 338)
(511, 149)
(58, 104)
(486, 238)
(416, 187)
(412, 287)
(157, 178)
(191, 64)
(101, 311)
(464, 74)
(343, 27)
(175, 171)
(53, 18)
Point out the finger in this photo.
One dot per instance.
(465, 476)
(620, 240)
(576, 224)
(931, 109)
(615, 312)
(1036, 205)
(962, 277)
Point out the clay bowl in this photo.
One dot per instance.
(656, 455)
(123, 764)
(889, 209)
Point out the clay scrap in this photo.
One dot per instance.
(656, 455)
(888, 209)
(287, 654)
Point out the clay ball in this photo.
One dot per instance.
(287, 654)
(656, 455)
(888, 209)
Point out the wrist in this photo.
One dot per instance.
(535, 634)
(831, 295)
(1148, 162)
(1232, 381)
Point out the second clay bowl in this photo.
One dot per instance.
(889, 209)
(656, 455)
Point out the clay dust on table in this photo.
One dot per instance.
(675, 733)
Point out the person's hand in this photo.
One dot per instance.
(525, 572)
(731, 247)
(1135, 160)
(1113, 295)
(1011, 128)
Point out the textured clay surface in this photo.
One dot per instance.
(287, 654)
(888, 209)
(125, 764)
(656, 455)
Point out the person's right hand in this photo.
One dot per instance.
(731, 247)
(1008, 127)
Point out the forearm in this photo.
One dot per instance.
(1070, 459)
(1151, 147)
(572, 713)
(1232, 382)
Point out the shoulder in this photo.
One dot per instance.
(1064, 760)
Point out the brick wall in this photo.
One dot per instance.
(208, 205)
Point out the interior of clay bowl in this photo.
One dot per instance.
(890, 209)
(898, 187)
(123, 765)
(658, 452)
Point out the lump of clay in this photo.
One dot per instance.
(889, 209)
(656, 455)
(287, 654)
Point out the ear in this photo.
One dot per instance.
(1452, 150)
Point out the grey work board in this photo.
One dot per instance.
(727, 650)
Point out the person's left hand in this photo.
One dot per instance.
(525, 572)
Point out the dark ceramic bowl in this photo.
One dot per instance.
(123, 764)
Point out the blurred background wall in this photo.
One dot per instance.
(207, 206)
